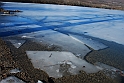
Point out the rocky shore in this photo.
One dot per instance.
(13, 58)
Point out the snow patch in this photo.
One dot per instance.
(39, 81)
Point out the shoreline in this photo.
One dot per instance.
(117, 5)
(31, 75)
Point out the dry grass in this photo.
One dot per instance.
(108, 4)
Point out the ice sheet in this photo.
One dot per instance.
(58, 64)
(89, 42)
(101, 23)
(62, 40)
(11, 79)
(18, 27)
(17, 43)
(110, 29)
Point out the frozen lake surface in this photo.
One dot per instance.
(78, 30)
(100, 23)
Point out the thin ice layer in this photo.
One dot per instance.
(105, 66)
(89, 42)
(17, 43)
(62, 40)
(11, 79)
(58, 64)
(109, 70)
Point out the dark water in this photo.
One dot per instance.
(113, 55)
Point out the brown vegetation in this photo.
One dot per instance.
(109, 4)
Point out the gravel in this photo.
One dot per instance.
(13, 58)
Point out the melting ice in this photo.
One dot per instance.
(11, 79)
(58, 64)
(17, 43)
(89, 42)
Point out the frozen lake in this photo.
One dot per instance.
(78, 30)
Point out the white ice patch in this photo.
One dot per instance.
(11, 79)
(89, 42)
(24, 36)
(17, 43)
(15, 71)
(58, 64)
(39, 81)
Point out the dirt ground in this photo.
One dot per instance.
(11, 58)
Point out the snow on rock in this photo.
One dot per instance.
(17, 43)
(11, 79)
(39, 81)
(58, 64)
(89, 42)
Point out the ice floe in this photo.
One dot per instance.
(12, 79)
(17, 43)
(58, 64)
(89, 42)
(62, 40)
